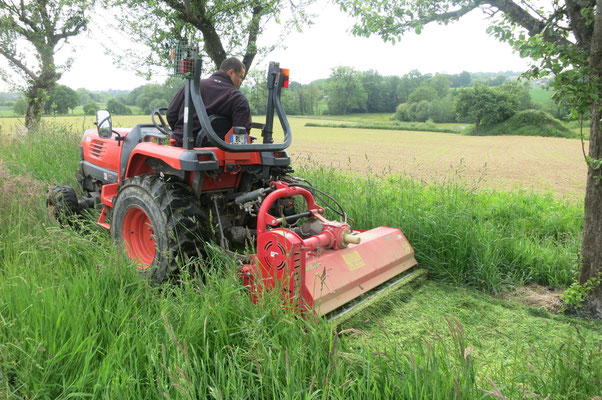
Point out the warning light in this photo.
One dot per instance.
(285, 73)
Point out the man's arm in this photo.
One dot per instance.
(241, 112)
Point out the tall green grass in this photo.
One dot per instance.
(51, 154)
(76, 321)
(488, 240)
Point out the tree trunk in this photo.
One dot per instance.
(36, 97)
(592, 228)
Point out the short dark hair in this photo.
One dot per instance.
(231, 63)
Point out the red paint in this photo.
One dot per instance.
(321, 273)
(137, 233)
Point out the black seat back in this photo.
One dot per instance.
(220, 124)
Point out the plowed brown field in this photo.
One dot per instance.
(507, 162)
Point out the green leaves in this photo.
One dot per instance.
(485, 105)
(390, 19)
(345, 91)
(222, 28)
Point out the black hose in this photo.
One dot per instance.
(317, 192)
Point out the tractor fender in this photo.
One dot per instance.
(176, 158)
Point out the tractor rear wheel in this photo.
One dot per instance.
(159, 222)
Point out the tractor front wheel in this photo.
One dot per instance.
(158, 222)
(62, 203)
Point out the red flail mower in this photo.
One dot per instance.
(164, 203)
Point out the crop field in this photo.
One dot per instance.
(76, 321)
(507, 162)
(542, 164)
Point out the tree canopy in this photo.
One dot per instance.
(485, 105)
(345, 91)
(116, 107)
(60, 99)
(31, 31)
(224, 28)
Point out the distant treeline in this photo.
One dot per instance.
(415, 96)
(480, 98)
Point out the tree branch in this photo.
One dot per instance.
(72, 32)
(199, 19)
(579, 25)
(251, 49)
(11, 57)
(451, 15)
(534, 26)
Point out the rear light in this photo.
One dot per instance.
(285, 74)
(185, 66)
(279, 154)
(205, 157)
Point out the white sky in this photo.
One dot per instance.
(310, 55)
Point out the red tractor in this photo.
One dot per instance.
(164, 203)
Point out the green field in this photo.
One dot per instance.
(541, 95)
(77, 321)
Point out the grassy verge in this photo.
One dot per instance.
(77, 321)
(517, 352)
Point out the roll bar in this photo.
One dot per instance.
(193, 95)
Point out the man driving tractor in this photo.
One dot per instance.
(221, 97)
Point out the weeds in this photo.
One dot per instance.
(575, 295)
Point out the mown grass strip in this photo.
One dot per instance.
(393, 126)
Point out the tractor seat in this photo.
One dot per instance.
(220, 124)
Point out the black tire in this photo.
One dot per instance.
(149, 209)
(62, 203)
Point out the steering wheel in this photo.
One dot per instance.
(162, 126)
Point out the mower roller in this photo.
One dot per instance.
(165, 202)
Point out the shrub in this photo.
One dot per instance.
(91, 108)
(485, 106)
(401, 112)
(20, 107)
(528, 123)
(115, 107)
(442, 110)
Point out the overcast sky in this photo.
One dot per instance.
(310, 55)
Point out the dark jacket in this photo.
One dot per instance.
(220, 97)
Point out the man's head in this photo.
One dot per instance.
(235, 70)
